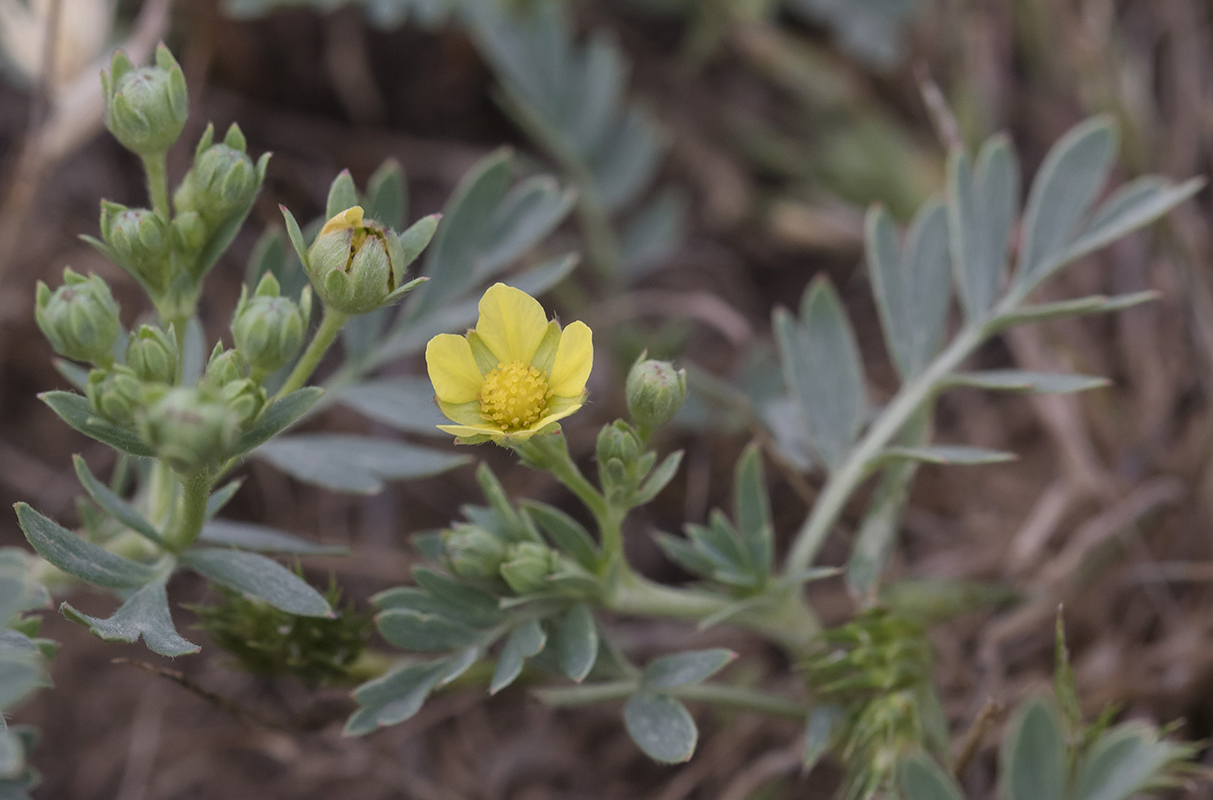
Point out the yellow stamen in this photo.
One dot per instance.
(514, 395)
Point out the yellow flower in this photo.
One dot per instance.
(514, 375)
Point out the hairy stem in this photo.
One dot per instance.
(157, 185)
(330, 326)
(734, 697)
(191, 516)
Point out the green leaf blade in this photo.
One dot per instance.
(661, 727)
(145, 613)
(73, 555)
(260, 577)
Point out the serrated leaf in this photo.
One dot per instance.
(565, 532)
(822, 368)
(526, 641)
(577, 642)
(278, 417)
(1065, 187)
(661, 727)
(982, 207)
(681, 669)
(260, 577)
(1033, 759)
(912, 288)
(118, 508)
(73, 555)
(75, 410)
(1022, 381)
(425, 633)
(406, 404)
(262, 539)
(949, 454)
(922, 779)
(354, 463)
(145, 613)
(396, 696)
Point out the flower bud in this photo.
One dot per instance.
(223, 181)
(151, 354)
(474, 552)
(618, 441)
(224, 367)
(655, 392)
(354, 264)
(145, 108)
(80, 318)
(189, 429)
(267, 328)
(139, 242)
(115, 394)
(245, 399)
(527, 567)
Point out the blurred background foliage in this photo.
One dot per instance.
(722, 153)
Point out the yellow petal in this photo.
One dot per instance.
(512, 323)
(469, 431)
(554, 416)
(574, 359)
(350, 218)
(452, 369)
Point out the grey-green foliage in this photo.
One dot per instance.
(874, 31)
(22, 668)
(491, 223)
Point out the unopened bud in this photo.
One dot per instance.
(223, 180)
(79, 319)
(474, 552)
(151, 354)
(655, 392)
(224, 367)
(354, 264)
(267, 328)
(145, 108)
(114, 394)
(618, 441)
(527, 567)
(189, 429)
(139, 242)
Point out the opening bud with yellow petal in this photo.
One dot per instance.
(189, 428)
(151, 354)
(474, 552)
(267, 328)
(115, 394)
(357, 265)
(139, 241)
(145, 108)
(513, 376)
(655, 391)
(79, 319)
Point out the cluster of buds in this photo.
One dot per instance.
(480, 555)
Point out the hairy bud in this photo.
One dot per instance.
(655, 392)
(145, 108)
(151, 354)
(267, 328)
(79, 319)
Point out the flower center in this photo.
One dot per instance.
(514, 395)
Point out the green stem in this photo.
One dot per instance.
(191, 516)
(330, 326)
(157, 185)
(859, 463)
(735, 697)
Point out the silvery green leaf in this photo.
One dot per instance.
(194, 353)
(577, 642)
(752, 508)
(145, 613)
(260, 577)
(878, 532)
(386, 199)
(820, 729)
(526, 215)
(1033, 758)
(681, 669)
(361, 333)
(628, 159)
(527, 640)
(396, 696)
(355, 464)
(342, 195)
(949, 454)
(425, 633)
(73, 555)
(922, 779)
(659, 478)
(121, 510)
(222, 496)
(682, 553)
(75, 374)
(1095, 304)
(75, 410)
(21, 672)
(477, 607)
(911, 287)
(278, 417)
(1062, 193)
(1021, 381)
(566, 533)
(982, 208)
(18, 590)
(405, 403)
(661, 727)
(268, 257)
(1134, 205)
(1127, 760)
(654, 233)
(603, 78)
(822, 368)
(259, 538)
